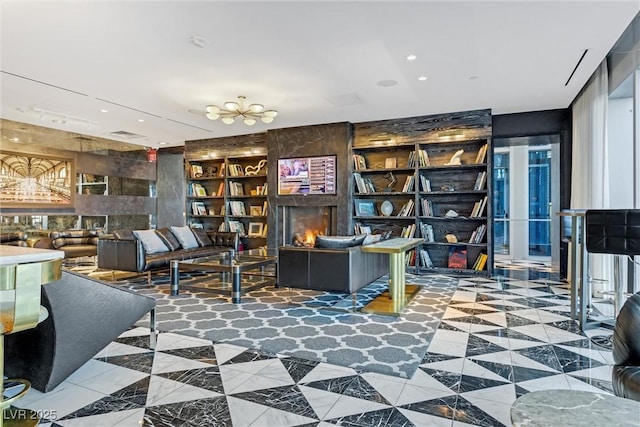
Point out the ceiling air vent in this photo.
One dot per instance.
(126, 135)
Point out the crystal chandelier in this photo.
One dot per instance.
(233, 110)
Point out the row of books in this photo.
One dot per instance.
(408, 184)
(407, 208)
(238, 208)
(198, 208)
(359, 162)
(481, 261)
(478, 208)
(410, 258)
(358, 228)
(478, 234)
(236, 188)
(425, 183)
(421, 157)
(363, 185)
(425, 259)
(198, 190)
(236, 169)
(408, 231)
(481, 181)
(426, 231)
(427, 207)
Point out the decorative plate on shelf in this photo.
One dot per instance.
(386, 208)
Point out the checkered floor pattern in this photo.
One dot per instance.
(498, 339)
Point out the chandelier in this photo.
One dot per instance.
(233, 110)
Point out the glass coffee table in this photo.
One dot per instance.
(239, 272)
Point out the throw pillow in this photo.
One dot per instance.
(185, 237)
(168, 238)
(151, 242)
(124, 234)
(202, 237)
(371, 238)
(339, 242)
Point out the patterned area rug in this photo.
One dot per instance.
(318, 326)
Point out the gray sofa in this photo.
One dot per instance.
(85, 315)
(322, 269)
(124, 251)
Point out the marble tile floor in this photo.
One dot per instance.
(498, 339)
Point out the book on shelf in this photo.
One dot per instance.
(407, 208)
(426, 231)
(222, 169)
(425, 183)
(220, 191)
(423, 158)
(408, 184)
(410, 258)
(478, 208)
(236, 169)
(457, 257)
(223, 227)
(237, 227)
(264, 208)
(236, 188)
(427, 207)
(408, 231)
(425, 259)
(237, 208)
(481, 181)
(360, 184)
(478, 234)
(196, 170)
(264, 231)
(390, 163)
(482, 154)
(198, 208)
(359, 162)
(480, 262)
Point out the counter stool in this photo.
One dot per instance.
(20, 310)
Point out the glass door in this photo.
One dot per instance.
(525, 197)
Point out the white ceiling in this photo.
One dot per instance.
(313, 61)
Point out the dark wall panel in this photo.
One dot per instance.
(171, 188)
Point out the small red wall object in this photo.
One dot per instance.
(152, 155)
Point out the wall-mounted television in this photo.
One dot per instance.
(307, 175)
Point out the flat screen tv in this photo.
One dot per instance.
(307, 175)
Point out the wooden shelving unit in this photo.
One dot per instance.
(451, 200)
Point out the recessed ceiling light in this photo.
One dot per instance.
(422, 78)
(59, 121)
(163, 143)
(15, 139)
(473, 78)
(387, 83)
(141, 120)
(104, 111)
(411, 57)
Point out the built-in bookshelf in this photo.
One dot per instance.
(427, 182)
(229, 194)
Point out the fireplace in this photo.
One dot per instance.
(300, 224)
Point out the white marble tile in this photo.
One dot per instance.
(499, 411)
(452, 365)
(520, 360)
(420, 419)
(135, 419)
(109, 419)
(529, 313)
(535, 331)
(320, 400)
(325, 371)
(587, 352)
(347, 405)
(113, 380)
(163, 391)
(553, 382)
(163, 362)
(557, 335)
(232, 379)
(505, 394)
(64, 401)
(257, 382)
(502, 357)
(244, 413)
(577, 384)
(475, 370)
(388, 386)
(91, 369)
(498, 318)
(547, 317)
(226, 352)
(119, 349)
(463, 326)
(450, 348)
(277, 417)
(452, 313)
(412, 394)
(463, 296)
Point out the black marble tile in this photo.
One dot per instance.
(287, 398)
(142, 362)
(514, 320)
(204, 354)
(250, 356)
(104, 406)
(207, 378)
(443, 407)
(154, 418)
(471, 383)
(447, 327)
(568, 325)
(473, 311)
(361, 389)
(298, 368)
(505, 371)
(334, 385)
(572, 362)
(477, 346)
(202, 412)
(520, 336)
(468, 413)
(136, 392)
(435, 357)
(520, 391)
(543, 354)
(390, 417)
(142, 341)
(449, 379)
(521, 374)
